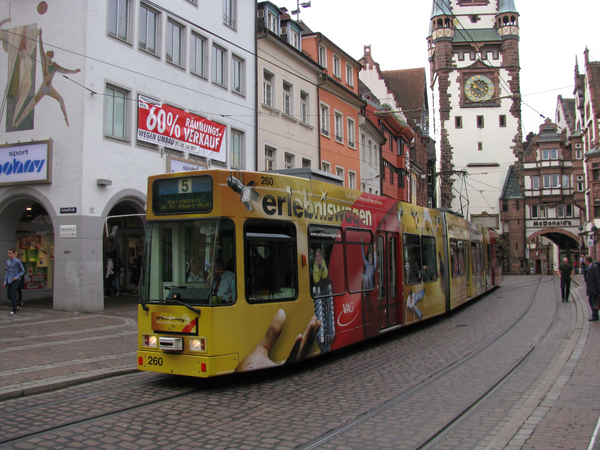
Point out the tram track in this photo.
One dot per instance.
(365, 361)
(440, 432)
(44, 409)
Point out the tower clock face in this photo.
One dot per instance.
(479, 88)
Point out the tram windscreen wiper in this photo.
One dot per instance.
(191, 308)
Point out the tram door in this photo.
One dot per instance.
(387, 274)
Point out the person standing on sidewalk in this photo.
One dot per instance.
(592, 285)
(565, 271)
(12, 279)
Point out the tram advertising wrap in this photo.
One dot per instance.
(247, 270)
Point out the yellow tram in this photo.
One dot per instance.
(248, 270)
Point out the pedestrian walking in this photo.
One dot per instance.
(565, 272)
(592, 286)
(110, 277)
(12, 279)
(583, 268)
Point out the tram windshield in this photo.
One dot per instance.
(190, 262)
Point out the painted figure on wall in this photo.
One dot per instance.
(49, 68)
(20, 44)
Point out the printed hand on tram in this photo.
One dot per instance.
(259, 357)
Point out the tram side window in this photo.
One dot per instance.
(412, 259)
(457, 258)
(429, 259)
(326, 261)
(271, 261)
(393, 271)
(361, 260)
(380, 268)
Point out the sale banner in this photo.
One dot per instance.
(175, 128)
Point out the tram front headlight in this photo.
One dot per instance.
(150, 340)
(198, 345)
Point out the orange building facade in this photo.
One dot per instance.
(339, 108)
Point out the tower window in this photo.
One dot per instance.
(480, 146)
(502, 120)
(480, 122)
(458, 122)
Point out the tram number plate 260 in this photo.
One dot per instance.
(155, 361)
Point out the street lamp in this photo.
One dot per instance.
(296, 12)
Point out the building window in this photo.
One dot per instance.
(198, 55)
(370, 152)
(306, 162)
(563, 210)
(326, 167)
(480, 122)
(551, 181)
(219, 65)
(339, 171)
(236, 148)
(595, 174)
(295, 39)
(538, 211)
(237, 75)
(566, 182)
(337, 68)
(580, 187)
(268, 89)
(351, 133)
(287, 99)
(548, 154)
(458, 122)
(349, 75)
(118, 19)
(115, 113)
(339, 127)
(502, 120)
(272, 22)
(324, 119)
(323, 57)
(351, 180)
(148, 30)
(304, 107)
(229, 13)
(535, 182)
(289, 161)
(269, 158)
(175, 43)
(578, 154)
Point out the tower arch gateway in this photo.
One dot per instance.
(474, 64)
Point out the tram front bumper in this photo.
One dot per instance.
(187, 364)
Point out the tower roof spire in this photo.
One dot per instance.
(441, 8)
(505, 6)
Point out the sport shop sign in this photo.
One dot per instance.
(175, 128)
(26, 163)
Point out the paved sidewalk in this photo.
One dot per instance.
(42, 349)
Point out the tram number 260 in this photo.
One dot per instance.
(155, 361)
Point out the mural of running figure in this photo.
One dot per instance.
(49, 68)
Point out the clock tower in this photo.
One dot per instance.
(474, 62)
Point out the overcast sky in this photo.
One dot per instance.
(553, 34)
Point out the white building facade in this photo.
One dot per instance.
(100, 94)
(288, 125)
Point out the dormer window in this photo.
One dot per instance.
(272, 22)
(548, 154)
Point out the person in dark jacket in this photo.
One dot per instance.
(565, 272)
(592, 285)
